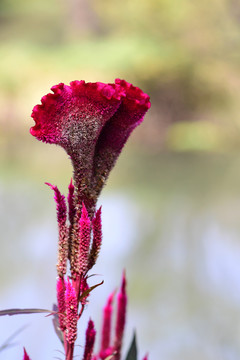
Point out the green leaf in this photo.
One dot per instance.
(132, 352)
(85, 293)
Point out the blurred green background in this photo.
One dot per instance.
(172, 203)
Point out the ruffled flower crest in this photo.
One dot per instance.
(92, 122)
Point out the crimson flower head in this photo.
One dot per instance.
(92, 122)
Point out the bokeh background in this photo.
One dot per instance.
(171, 209)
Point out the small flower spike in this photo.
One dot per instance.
(63, 246)
(145, 357)
(91, 122)
(106, 327)
(25, 355)
(97, 239)
(61, 204)
(90, 339)
(71, 313)
(71, 206)
(121, 318)
(71, 215)
(61, 288)
(80, 243)
(85, 238)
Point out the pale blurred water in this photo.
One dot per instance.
(182, 257)
(28, 265)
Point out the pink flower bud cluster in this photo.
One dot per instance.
(111, 341)
(61, 289)
(80, 246)
(113, 346)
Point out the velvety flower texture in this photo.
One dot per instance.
(92, 122)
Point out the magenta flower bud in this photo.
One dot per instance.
(71, 216)
(71, 206)
(97, 239)
(71, 313)
(85, 238)
(145, 357)
(61, 204)
(90, 339)
(63, 246)
(92, 122)
(25, 355)
(106, 327)
(121, 318)
(81, 238)
(61, 288)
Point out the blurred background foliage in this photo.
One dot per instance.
(181, 168)
(184, 54)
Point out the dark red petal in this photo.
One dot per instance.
(117, 130)
(62, 111)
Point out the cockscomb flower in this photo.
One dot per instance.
(92, 122)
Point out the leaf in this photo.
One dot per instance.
(11, 312)
(56, 326)
(85, 293)
(132, 352)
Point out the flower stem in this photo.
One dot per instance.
(70, 350)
